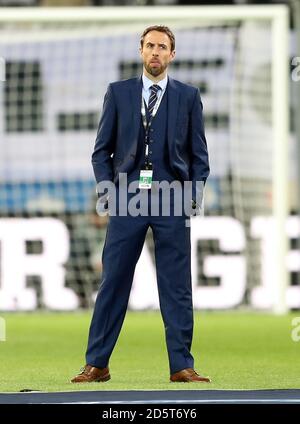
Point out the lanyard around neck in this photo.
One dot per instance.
(146, 124)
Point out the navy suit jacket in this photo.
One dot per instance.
(118, 132)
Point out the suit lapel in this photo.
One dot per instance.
(136, 96)
(173, 103)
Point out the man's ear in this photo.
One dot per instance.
(173, 54)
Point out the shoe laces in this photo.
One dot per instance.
(194, 372)
(83, 370)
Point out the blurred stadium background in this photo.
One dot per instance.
(56, 64)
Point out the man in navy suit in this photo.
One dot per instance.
(151, 131)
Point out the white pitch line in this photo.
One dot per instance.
(169, 401)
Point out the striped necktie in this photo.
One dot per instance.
(153, 97)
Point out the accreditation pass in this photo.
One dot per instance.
(145, 180)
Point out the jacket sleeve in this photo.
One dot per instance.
(199, 170)
(105, 140)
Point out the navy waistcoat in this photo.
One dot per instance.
(158, 147)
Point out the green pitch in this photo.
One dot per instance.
(237, 350)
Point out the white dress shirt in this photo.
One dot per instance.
(147, 84)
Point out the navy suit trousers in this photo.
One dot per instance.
(123, 245)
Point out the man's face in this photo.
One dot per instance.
(156, 52)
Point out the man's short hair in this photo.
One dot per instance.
(160, 28)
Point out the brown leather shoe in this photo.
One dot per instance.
(188, 375)
(90, 374)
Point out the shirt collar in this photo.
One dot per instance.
(147, 82)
